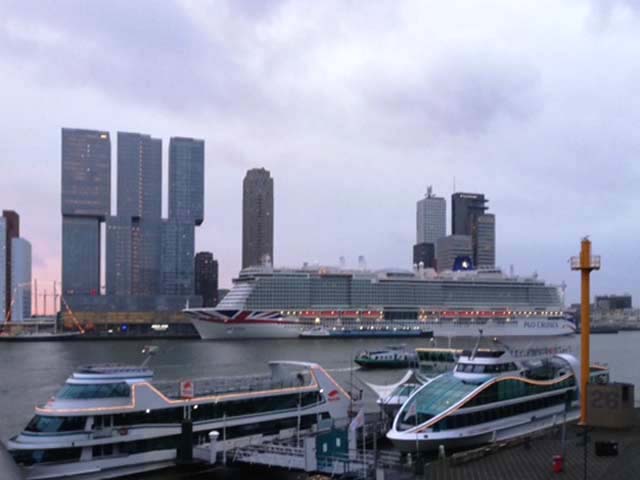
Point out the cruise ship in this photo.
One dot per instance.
(488, 397)
(110, 420)
(267, 302)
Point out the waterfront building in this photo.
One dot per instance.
(424, 253)
(20, 279)
(139, 176)
(613, 302)
(451, 247)
(85, 204)
(465, 209)
(177, 269)
(485, 253)
(12, 230)
(134, 236)
(207, 278)
(3, 268)
(186, 210)
(257, 218)
(186, 179)
(431, 218)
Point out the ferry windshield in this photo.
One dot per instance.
(432, 399)
(74, 391)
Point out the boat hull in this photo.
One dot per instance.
(213, 330)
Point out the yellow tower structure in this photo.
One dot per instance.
(586, 263)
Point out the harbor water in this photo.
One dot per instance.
(31, 372)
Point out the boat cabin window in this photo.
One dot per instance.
(74, 391)
(491, 368)
(30, 457)
(45, 424)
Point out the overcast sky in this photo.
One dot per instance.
(354, 107)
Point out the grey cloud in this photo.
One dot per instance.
(147, 52)
(464, 96)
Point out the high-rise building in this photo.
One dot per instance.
(485, 253)
(20, 279)
(186, 210)
(3, 268)
(431, 218)
(139, 176)
(178, 245)
(12, 230)
(186, 179)
(257, 218)
(134, 235)
(86, 202)
(451, 247)
(424, 253)
(465, 210)
(207, 278)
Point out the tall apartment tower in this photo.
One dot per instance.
(20, 279)
(431, 218)
(431, 224)
(206, 269)
(465, 210)
(85, 202)
(3, 268)
(257, 218)
(486, 241)
(133, 235)
(186, 211)
(12, 230)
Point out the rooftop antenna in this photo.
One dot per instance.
(343, 263)
(362, 263)
(429, 191)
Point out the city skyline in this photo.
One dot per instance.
(356, 139)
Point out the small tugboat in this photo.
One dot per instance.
(391, 357)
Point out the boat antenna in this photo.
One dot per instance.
(475, 349)
(148, 351)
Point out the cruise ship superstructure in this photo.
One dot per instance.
(267, 302)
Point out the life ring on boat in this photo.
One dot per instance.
(123, 431)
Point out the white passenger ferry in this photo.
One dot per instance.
(326, 302)
(489, 397)
(110, 419)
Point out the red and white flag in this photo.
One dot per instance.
(358, 420)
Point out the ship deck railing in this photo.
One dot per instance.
(238, 384)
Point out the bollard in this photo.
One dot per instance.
(558, 464)
(213, 446)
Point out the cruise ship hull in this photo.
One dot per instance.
(215, 330)
(217, 325)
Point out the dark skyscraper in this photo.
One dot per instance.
(485, 253)
(86, 201)
(257, 218)
(465, 210)
(186, 179)
(207, 278)
(139, 176)
(133, 236)
(12, 224)
(186, 210)
(424, 253)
